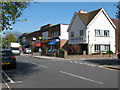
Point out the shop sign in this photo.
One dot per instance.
(40, 37)
(34, 38)
(77, 40)
(44, 41)
(55, 40)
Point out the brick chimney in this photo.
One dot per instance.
(81, 11)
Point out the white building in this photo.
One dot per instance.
(93, 31)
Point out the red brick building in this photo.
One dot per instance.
(52, 36)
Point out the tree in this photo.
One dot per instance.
(11, 11)
(118, 11)
(8, 38)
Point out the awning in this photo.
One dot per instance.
(52, 43)
(38, 45)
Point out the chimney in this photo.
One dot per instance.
(82, 11)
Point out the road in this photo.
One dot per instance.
(40, 73)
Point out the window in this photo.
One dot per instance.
(104, 33)
(97, 47)
(101, 47)
(72, 34)
(54, 34)
(57, 33)
(81, 32)
(45, 35)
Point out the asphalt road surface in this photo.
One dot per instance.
(40, 73)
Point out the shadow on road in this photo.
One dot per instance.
(23, 71)
(105, 62)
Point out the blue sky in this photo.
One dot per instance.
(44, 13)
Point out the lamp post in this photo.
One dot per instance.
(88, 41)
(109, 49)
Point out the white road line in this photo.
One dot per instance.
(43, 66)
(6, 84)
(71, 61)
(93, 65)
(11, 81)
(34, 63)
(76, 62)
(80, 63)
(77, 76)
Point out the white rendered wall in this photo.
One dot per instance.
(76, 26)
(63, 31)
(101, 22)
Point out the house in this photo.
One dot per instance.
(92, 32)
(117, 33)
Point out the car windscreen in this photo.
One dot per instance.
(15, 48)
(28, 49)
(6, 53)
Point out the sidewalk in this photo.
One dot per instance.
(37, 55)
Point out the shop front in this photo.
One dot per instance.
(54, 44)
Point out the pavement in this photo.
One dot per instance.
(37, 55)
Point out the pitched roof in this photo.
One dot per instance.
(86, 18)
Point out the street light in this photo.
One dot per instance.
(109, 49)
(88, 41)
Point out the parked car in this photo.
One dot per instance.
(118, 55)
(16, 51)
(8, 58)
(27, 50)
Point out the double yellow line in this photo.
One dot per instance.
(104, 66)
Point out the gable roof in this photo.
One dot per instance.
(86, 18)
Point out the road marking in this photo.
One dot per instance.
(6, 84)
(26, 61)
(77, 76)
(34, 63)
(103, 66)
(11, 81)
(80, 63)
(43, 66)
(76, 62)
(93, 65)
(71, 61)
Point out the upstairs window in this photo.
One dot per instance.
(72, 34)
(81, 32)
(106, 33)
(103, 33)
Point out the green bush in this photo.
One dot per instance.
(110, 52)
(61, 50)
(44, 49)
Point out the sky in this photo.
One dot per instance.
(53, 13)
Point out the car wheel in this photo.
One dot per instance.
(118, 56)
(14, 66)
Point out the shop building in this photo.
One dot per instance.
(51, 36)
(92, 32)
(55, 36)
